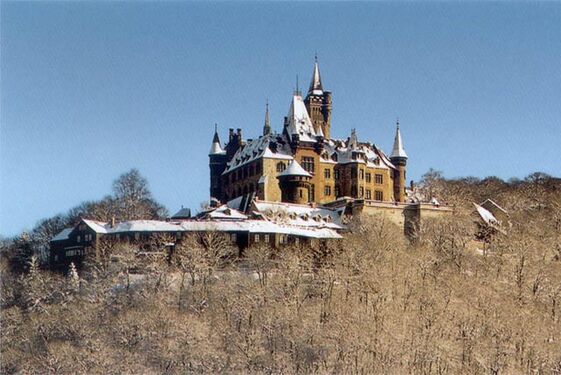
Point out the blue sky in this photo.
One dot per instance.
(92, 89)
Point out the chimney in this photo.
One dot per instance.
(240, 133)
(113, 222)
(230, 134)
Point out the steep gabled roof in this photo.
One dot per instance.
(299, 121)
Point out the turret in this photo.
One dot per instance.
(398, 158)
(318, 104)
(217, 163)
(294, 183)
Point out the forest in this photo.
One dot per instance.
(374, 302)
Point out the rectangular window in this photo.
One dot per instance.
(327, 173)
(233, 237)
(336, 174)
(361, 192)
(327, 190)
(308, 164)
(282, 238)
(137, 236)
(379, 196)
(368, 194)
(361, 174)
(256, 238)
(312, 193)
(78, 239)
(368, 177)
(266, 238)
(379, 179)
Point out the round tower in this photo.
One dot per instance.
(399, 159)
(294, 183)
(217, 163)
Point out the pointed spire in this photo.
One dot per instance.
(316, 87)
(398, 151)
(215, 148)
(267, 126)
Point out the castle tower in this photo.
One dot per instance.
(294, 183)
(318, 104)
(399, 159)
(267, 126)
(217, 163)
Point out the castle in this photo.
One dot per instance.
(303, 164)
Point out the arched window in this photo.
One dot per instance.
(281, 166)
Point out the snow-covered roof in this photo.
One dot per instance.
(224, 213)
(300, 215)
(486, 215)
(299, 121)
(215, 148)
(316, 87)
(96, 226)
(63, 235)
(398, 151)
(493, 205)
(294, 169)
(251, 226)
(352, 151)
(259, 148)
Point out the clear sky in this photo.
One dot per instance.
(92, 89)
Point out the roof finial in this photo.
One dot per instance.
(215, 127)
(297, 88)
(316, 57)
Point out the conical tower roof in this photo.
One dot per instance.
(215, 148)
(316, 87)
(294, 169)
(398, 151)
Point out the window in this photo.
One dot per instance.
(266, 238)
(283, 238)
(256, 238)
(336, 191)
(88, 237)
(233, 237)
(361, 191)
(334, 157)
(336, 174)
(327, 173)
(368, 194)
(361, 173)
(379, 178)
(368, 177)
(327, 190)
(78, 239)
(308, 164)
(137, 236)
(379, 196)
(312, 193)
(280, 166)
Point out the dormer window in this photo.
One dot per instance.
(334, 156)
